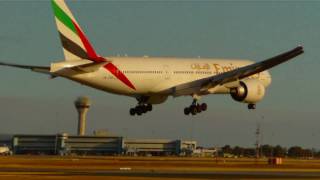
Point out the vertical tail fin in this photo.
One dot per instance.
(75, 44)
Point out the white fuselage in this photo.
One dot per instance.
(151, 76)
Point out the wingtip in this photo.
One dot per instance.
(300, 46)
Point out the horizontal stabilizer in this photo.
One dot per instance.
(67, 70)
(88, 68)
(39, 69)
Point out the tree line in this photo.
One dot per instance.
(269, 151)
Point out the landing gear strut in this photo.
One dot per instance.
(252, 106)
(140, 109)
(195, 108)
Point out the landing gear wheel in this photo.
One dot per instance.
(144, 108)
(139, 110)
(198, 107)
(139, 113)
(132, 111)
(186, 111)
(252, 106)
(149, 107)
(193, 109)
(204, 106)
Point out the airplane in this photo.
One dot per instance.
(151, 80)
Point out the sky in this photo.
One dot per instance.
(255, 30)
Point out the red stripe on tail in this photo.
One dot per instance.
(92, 55)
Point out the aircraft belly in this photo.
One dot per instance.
(105, 81)
(102, 81)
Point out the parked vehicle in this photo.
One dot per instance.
(5, 150)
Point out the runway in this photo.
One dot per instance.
(60, 173)
(34, 167)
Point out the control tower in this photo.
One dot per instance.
(82, 104)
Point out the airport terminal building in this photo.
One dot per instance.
(65, 144)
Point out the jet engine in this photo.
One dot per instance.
(249, 91)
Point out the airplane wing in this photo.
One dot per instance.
(204, 84)
(39, 69)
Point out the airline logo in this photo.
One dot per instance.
(76, 45)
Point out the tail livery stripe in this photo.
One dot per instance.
(73, 47)
(90, 51)
(75, 42)
(63, 17)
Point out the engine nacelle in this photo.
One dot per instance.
(249, 91)
(157, 99)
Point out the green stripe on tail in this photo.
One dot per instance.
(63, 17)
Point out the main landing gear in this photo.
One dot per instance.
(195, 108)
(140, 109)
(252, 106)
